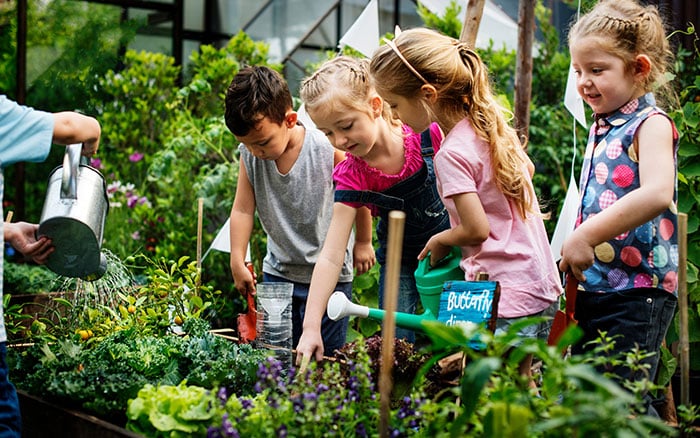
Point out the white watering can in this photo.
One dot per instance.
(73, 217)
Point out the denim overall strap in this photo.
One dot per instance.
(416, 196)
(369, 197)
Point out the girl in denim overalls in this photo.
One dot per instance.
(624, 249)
(387, 167)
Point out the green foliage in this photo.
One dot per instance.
(24, 278)
(133, 106)
(572, 399)
(687, 120)
(335, 399)
(450, 23)
(101, 378)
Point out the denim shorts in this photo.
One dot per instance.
(533, 331)
(334, 333)
(634, 317)
(10, 419)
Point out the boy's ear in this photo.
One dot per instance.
(642, 65)
(290, 119)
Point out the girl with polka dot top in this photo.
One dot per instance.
(624, 248)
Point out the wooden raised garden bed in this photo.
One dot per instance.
(42, 419)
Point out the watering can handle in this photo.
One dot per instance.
(71, 163)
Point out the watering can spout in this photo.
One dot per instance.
(339, 306)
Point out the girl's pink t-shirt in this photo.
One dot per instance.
(354, 173)
(516, 252)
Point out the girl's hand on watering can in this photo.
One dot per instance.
(436, 250)
(22, 237)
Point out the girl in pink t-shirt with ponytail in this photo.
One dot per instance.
(483, 173)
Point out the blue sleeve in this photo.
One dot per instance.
(25, 133)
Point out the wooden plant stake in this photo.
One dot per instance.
(683, 335)
(200, 214)
(391, 291)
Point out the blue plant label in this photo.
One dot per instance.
(467, 301)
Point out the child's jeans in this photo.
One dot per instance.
(10, 419)
(407, 299)
(334, 333)
(635, 317)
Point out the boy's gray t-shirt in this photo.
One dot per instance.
(295, 209)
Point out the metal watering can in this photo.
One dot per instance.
(73, 217)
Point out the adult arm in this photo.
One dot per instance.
(71, 127)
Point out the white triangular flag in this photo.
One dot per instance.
(567, 220)
(222, 241)
(304, 117)
(363, 35)
(572, 100)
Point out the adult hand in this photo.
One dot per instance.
(22, 237)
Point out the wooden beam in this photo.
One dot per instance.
(472, 20)
(523, 68)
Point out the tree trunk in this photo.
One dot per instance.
(523, 69)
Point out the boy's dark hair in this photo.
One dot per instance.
(256, 92)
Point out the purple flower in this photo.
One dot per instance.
(136, 157)
(96, 163)
(222, 395)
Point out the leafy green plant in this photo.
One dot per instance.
(571, 398)
(24, 278)
(101, 377)
(333, 399)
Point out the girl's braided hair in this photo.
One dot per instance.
(625, 29)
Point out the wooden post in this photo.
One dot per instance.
(200, 214)
(683, 335)
(391, 291)
(523, 68)
(472, 20)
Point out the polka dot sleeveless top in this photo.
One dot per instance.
(646, 256)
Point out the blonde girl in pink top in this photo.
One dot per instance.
(483, 173)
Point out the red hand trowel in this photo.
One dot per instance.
(246, 321)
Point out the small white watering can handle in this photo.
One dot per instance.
(71, 164)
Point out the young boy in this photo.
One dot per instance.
(286, 174)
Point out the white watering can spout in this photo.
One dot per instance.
(339, 306)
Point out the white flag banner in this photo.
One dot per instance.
(567, 220)
(572, 100)
(363, 35)
(222, 241)
(304, 117)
